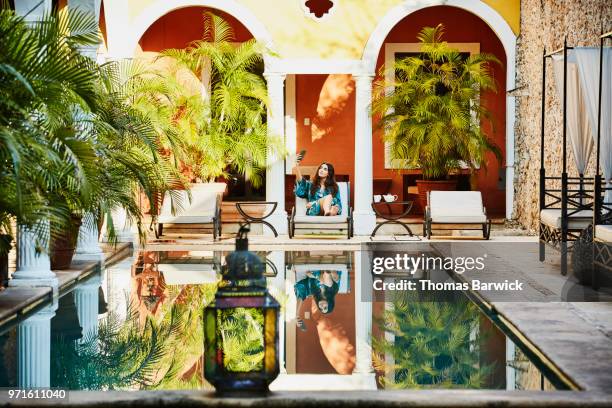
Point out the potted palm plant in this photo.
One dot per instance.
(432, 117)
(223, 120)
(63, 119)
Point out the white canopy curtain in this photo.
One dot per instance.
(578, 127)
(588, 68)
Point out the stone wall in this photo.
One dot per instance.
(544, 24)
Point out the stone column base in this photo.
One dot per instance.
(90, 256)
(34, 282)
(279, 220)
(364, 224)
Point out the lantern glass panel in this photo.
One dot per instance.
(240, 337)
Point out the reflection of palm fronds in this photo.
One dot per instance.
(120, 355)
(125, 354)
(436, 344)
(241, 331)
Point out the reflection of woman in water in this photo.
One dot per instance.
(322, 286)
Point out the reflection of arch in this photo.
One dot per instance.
(497, 24)
(162, 7)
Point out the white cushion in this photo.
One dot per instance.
(321, 219)
(185, 219)
(458, 207)
(201, 208)
(460, 219)
(300, 209)
(188, 274)
(300, 273)
(579, 220)
(603, 233)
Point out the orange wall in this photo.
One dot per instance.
(328, 344)
(329, 102)
(333, 136)
(180, 27)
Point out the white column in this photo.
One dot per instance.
(86, 300)
(510, 362)
(91, 7)
(363, 215)
(87, 244)
(510, 117)
(279, 290)
(34, 349)
(33, 10)
(33, 269)
(363, 314)
(122, 225)
(290, 122)
(275, 171)
(118, 283)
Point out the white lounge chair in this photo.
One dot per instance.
(299, 220)
(455, 207)
(204, 208)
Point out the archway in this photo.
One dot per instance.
(232, 8)
(488, 20)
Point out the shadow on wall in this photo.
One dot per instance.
(334, 96)
(335, 343)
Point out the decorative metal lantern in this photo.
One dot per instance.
(241, 326)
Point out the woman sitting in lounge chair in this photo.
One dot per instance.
(322, 193)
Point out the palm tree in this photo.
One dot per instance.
(121, 355)
(433, 117)
(436, 343)
(70, 141)
(224, 126)
(44, 81)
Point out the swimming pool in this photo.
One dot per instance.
(138, 325)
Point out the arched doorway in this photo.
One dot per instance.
(163, 35)
(478, 28)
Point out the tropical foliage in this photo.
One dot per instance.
(130, 355)
(222, 120)
(79, 138)
(433, 117)
(242, 338)
(70, 143)
(436, 343)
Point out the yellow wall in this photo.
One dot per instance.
(343, 34)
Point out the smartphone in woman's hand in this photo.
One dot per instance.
(300, 156)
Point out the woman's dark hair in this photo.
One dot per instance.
(330, 180)
(328, 294)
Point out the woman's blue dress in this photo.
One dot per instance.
(302, 189)
(309, 286)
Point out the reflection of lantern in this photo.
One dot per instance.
(241, 326)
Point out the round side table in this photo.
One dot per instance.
(389, 218)
(258, 220)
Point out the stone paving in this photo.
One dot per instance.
(575, 335)
(16, 301)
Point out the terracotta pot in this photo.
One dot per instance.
(425, 186)
(63, 244)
